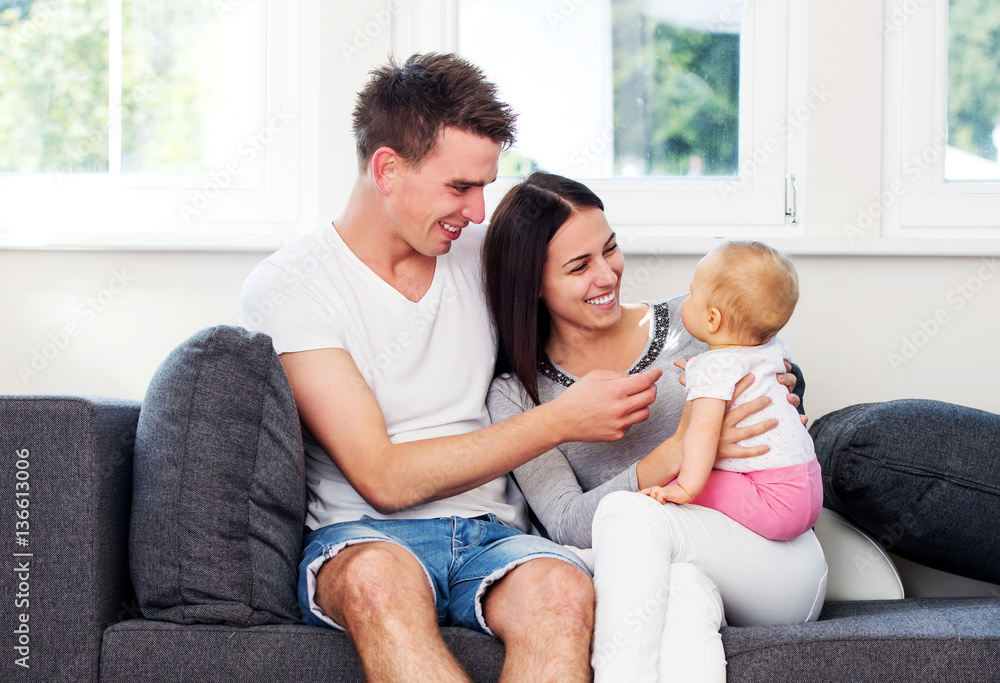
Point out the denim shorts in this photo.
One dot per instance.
(460, 557)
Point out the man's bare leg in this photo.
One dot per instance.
(543, 611)
(378, 592)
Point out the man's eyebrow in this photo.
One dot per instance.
(458, 182)
(577, 258)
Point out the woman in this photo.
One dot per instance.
(553, 271)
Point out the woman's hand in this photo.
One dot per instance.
(789, 380)
(731, 434)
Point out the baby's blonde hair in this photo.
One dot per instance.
(755, 287)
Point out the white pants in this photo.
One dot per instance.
(659, 572)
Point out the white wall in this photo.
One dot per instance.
(854, 311)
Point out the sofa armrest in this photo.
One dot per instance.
(65, 499)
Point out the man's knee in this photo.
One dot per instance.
(544, 593)
(371, 579)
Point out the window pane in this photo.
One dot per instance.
(973, 90)
(614, 87)
(192, 86)
(677, 82)
(54, 86)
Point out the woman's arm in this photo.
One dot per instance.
(549, 483)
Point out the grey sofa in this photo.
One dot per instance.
(70, 612)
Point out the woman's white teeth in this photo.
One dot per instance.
(602, 300)
(449, 228)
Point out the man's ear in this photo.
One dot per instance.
(385, 164)
(713, 320)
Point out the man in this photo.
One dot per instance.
(381, 327)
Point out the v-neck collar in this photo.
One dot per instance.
(654, 344)
(379, 282)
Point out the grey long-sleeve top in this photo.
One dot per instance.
(564, 485)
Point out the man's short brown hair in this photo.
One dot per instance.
(406, 107)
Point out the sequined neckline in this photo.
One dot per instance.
(661, 314)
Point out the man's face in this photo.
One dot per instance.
(434, 201)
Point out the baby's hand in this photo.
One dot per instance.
(668, 494)
(682, 364)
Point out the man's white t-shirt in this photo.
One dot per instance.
(429, 363)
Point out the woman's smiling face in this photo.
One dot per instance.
(582, 273)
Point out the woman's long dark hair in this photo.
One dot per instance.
(514, 255)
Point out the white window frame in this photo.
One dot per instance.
(920, 203)
(218, 211)
(645, 211)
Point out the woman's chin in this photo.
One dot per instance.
(608, 315)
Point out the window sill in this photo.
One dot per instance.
(819, 246)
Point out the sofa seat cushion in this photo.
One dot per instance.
(922, 477)
(916, 639)
(218, 485)
(927, 640)
(143, 650)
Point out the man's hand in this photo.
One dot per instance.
(603, 404)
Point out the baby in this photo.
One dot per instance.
(742, 293)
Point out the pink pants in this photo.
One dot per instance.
(779, 504)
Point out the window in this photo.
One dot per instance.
(153, 122)
(676, 113)
(943, 97)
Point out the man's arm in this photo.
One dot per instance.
(340, 410)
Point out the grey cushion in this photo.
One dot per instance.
(884, 641)
(922, 477)
(142, 650)
(219, 485)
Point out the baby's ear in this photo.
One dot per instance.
(713, 320)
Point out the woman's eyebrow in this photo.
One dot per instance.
(577, 258)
